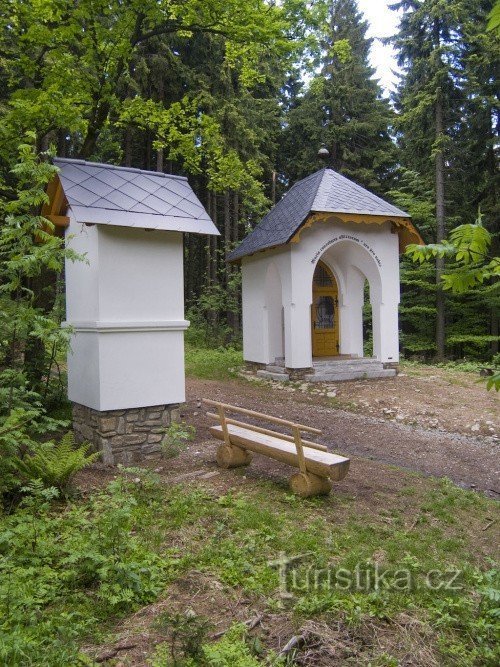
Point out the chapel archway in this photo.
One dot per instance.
(353, 267)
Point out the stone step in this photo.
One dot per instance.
(334, 363)
(349, 368)
(350, 375)
(267, 375)
(273, 368)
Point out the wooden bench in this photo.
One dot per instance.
(317, 466)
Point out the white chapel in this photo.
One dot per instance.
(304, 269)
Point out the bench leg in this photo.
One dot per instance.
(307, 484)
(230, 456)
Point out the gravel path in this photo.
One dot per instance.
(470, 461)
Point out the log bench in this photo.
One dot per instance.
(317, 466)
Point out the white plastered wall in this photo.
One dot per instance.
(353, 252)
(125, 304)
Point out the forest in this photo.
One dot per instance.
(238, 96)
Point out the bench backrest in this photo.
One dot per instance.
(296, 429)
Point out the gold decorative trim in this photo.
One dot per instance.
(402, 226)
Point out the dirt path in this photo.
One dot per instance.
(471, 461)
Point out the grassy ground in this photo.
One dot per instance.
(185, 571)
(71, 573)
(216, 363)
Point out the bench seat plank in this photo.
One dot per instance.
(323, 464)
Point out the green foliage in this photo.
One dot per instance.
(30, 336)
(209, 314)
(494, 17)
(220, 363)
(342, 106)
(250, 529)
(19, 433)
(63, 573)
(101, 557)
(185, 648)
(447, 115)
(54, 463)
(471, 272)
(177, 435)
(468, 246)
(493, 381)
(231, 650)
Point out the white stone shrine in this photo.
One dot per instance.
(304, 269)
(125, 300)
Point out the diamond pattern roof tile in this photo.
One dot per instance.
(325, 191)
(105, 194)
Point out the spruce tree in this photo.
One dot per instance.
(342, 107)
(447, 124)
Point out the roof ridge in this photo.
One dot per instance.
(102, 165)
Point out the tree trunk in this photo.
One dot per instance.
(98, 119)
(440, 229)
(494, 332)
(62, 144)
(227, 222)
(213, 264)
(208, 263)
(227, 246)
(236, 217)
(159, 159)
(127, 147)
(148, 150)
(235, 316)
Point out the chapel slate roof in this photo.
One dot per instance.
(325, 191)
(109, 195)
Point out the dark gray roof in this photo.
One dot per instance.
(108, 195)
(325, 191)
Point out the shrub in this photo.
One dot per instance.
(178, 434)
(18, 432)
(231, 650)
(185, 648)
(63, 573)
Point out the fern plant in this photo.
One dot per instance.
(55, 463)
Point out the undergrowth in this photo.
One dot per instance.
(64, 570)
(215, 364)
(68, 572)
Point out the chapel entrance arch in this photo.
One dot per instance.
(325, 324)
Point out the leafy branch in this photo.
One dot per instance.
(468, 246)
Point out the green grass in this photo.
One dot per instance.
(449, 366)
(68, 572)
(215, 364)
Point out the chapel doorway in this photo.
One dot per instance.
(325, 313)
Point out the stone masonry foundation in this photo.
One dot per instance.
(124, 436)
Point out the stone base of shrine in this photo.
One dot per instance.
(124, 436)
